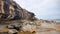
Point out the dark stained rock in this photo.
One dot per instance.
(16, 27)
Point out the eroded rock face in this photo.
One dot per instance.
(24, 26)
(10, 10)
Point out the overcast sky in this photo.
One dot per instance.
(43, 9)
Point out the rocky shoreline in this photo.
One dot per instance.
(16, 20)
(33, 27)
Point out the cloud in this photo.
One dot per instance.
(42, 8)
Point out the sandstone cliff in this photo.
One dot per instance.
(10, 10)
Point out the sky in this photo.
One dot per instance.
(43, 9)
